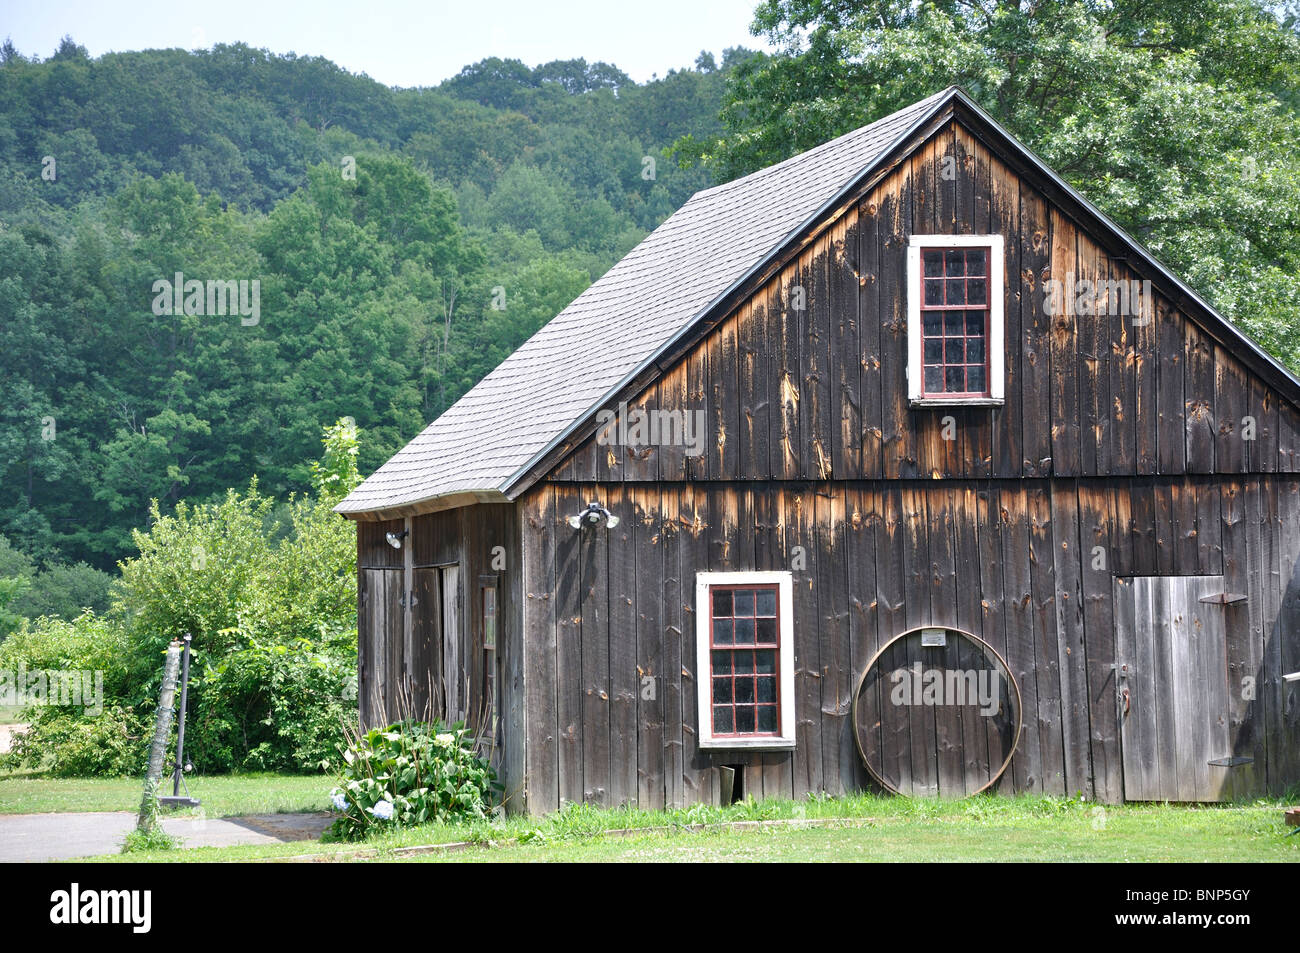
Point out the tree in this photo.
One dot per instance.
(1178, 119)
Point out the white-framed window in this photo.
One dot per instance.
(744, 657)
(955, 326)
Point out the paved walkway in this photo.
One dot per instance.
(40, 837)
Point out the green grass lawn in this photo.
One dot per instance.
(871, 829)
(34, 793)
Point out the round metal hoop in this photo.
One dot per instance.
(970, 637)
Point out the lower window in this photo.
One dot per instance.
(745, 657)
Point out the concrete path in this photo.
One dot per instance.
(40, 837)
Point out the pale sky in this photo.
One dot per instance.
(399, 42)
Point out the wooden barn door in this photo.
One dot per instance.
(437, 637)
(379, 645)
(1172, 684)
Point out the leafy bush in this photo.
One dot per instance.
(68, 744)
(267, 589)
(266, 706)
(58, 589)
(411, 772)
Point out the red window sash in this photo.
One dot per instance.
(732, 648)
(987, 308)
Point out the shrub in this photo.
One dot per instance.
(265, 706)
(267, 589)
(67, 744)
(411, 772)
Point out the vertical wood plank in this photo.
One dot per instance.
(870, 331)
(1035, 334)
(845, 347)
(1064, 350)
(568, 643)
(625, 686)
(1099, 635)
(594, 639)
(1198, 398)
(647, 540)
(1171, 436)
(539, 523)
(1042, 559)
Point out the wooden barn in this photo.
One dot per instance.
(896, 465)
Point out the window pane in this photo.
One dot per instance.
(977, 291)
(975, 261)
(932, 321)
(975, 349)
(765, 661)
(953, 322)
(745, 663)
(767, 631)
(933, 380)
(744, 631)
(721, 602)
(767, 718)
(933, 263)
(721, 691)
(744, 718)
(977, 378)
(934, 350)
(975, 323)
(955, 262)
(956, 292)
(722, 632)
(721, 663)
(743, 602)
(954, 380)
(744, 690)
(954, 351)
(766, 689)
(934, 292)
(765, 602)
(722, 721)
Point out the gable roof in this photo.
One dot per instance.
(486, 445)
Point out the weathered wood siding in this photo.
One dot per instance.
(1128, 446)
(821, 393)
(1026, 566)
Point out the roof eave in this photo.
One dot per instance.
(431, 504)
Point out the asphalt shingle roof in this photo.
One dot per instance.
(586, 352)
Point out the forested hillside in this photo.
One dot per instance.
(403, 241)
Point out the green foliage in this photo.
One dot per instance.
(268, 593)
(408, 773)
(57, 589)
(65, 743)
(1178, 119)
(149, 835)
(10, 590)
(155, 838)
(340, 197)
(65, 591)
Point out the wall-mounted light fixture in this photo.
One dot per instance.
(395, 539)
(594, 513)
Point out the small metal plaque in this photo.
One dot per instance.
(934, 638)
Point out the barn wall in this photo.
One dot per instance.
(395, 657)
(1011, 561)
(820, 393)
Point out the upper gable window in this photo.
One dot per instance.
(955, 328)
